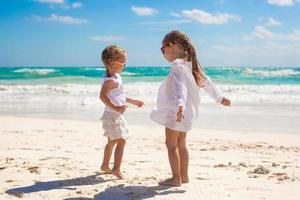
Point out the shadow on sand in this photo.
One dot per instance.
(69, 184)
(118, 192)
(121, 192)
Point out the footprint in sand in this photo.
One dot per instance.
(33, 169)
(260, 170)
(243, 164)
(253, 176)
(202, 179)
(16, 131)
(48, 158)
(79, 192)
(153, 178)
(30, 149)
(280, 176)
(220, 165)
(18, 194)
(143, 161)
(200, 149)
(9, 159)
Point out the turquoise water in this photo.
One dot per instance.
(92, 75)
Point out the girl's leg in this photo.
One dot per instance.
(184, 157)
(118, 158)
(107, 154)
(171, 142)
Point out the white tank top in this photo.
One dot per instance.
(116, 95)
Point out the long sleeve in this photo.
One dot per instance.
(180, 88)
(211, 90)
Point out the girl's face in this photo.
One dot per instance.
(117, 66)
(171, 51)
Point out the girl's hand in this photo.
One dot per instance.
(138, 103)
(180, 114)
(225, 102)
(121, 109)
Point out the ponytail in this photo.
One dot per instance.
(197, 69)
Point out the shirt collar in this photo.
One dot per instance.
(182, 61)
(178, 60)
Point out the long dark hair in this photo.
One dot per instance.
(176, 37)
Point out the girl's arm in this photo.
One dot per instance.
(180, 93)
(180, 89)
(106, 86)
(136, 102)
(214, 93)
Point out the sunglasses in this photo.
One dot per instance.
(120, 63)
(163, 48)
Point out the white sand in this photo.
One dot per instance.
(60, 159)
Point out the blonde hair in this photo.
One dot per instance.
(181, 39)
(111, 53)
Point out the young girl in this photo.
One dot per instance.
(178, 100)
(113, 96)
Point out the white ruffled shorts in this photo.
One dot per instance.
(114, 125)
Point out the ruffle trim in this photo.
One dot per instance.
(115, 126)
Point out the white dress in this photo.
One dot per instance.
(180, 89)
(114, 123)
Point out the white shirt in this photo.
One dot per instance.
(115, 95)
(180, 89)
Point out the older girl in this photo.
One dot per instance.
(178, 100)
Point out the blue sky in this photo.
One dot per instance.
(74, 32)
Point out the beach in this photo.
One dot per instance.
(60, 159)
(65, 64)
(52, 138)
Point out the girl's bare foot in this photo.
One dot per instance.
(106, 169)
(118, 174)
(184, 179)
(170, 182)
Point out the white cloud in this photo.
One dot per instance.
(107, 38)
(273, 22)
(262, 33)
(175, 15)
(52, 1)
(263, 54)
(209, 18)
(76, 5)
(168, 22)
(282, 2)
(61, 3)
(294, 36)
(62, 19)
(266, 47)
(144, 11)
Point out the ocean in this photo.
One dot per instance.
(91, 75)
(262, 94)
(244, 84)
